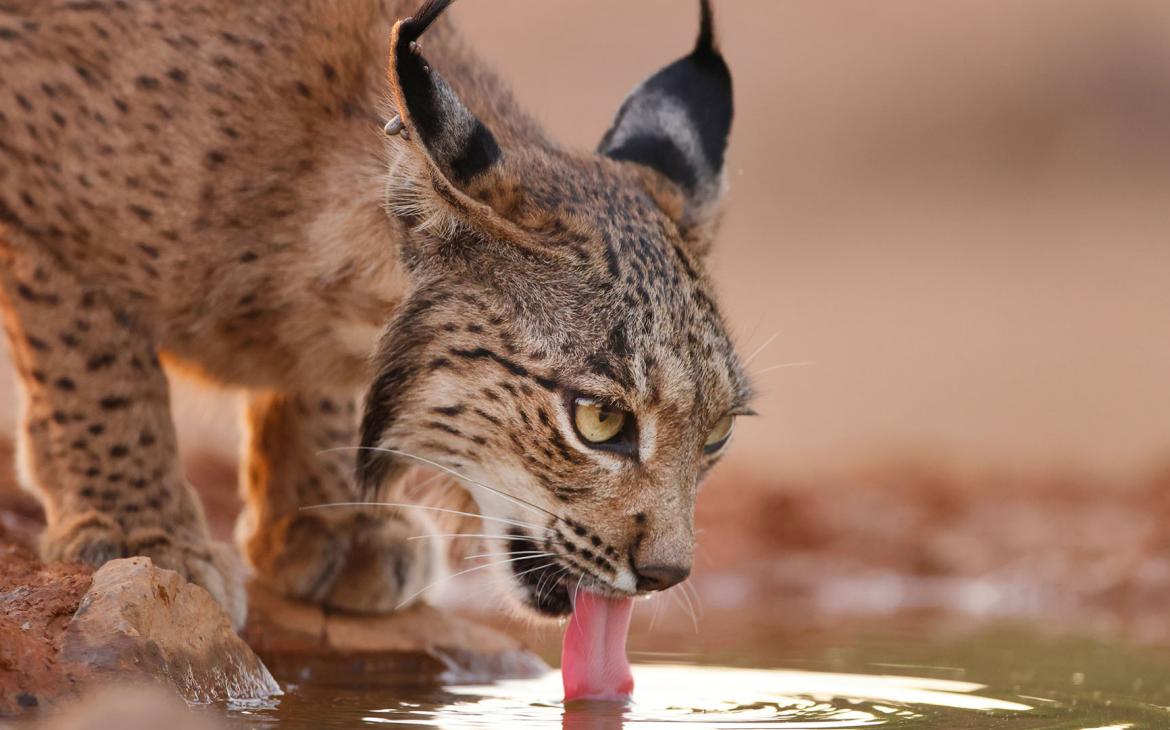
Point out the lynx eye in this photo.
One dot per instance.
(719, 434)
(596, 423)
(601, 426)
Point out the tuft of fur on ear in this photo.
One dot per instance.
(677, 123)
(447, 145)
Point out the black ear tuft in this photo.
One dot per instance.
(417, 24)
(454, 138)
(706, 41)
(678, 120)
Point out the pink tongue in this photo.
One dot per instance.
(594, 664)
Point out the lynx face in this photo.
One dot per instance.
(562, 349)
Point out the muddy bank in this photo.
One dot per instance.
(38, 604)
(1057, 550)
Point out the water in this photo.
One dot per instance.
(1002, 680)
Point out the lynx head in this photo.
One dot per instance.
(561, 346)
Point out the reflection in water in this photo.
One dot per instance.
(1033, 683)
(706, 697)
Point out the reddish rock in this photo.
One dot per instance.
(142, 622)
(63, 631)
(420, 645)
(36, 604)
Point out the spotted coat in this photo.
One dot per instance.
(210, 185)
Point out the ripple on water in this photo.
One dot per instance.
(713, 697)
(1033, 683)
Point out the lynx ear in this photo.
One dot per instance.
(676, 122)
(447, 144)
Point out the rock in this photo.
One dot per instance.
(417, 646)
(36, 605)
(63, 631)
(142, 622)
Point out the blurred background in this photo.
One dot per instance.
(947, 253)
(960, 212)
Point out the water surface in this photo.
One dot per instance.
(1002, 680)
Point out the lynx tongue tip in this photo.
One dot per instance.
(594, 664)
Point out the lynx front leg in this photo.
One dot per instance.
(97, 442)
(355, 558)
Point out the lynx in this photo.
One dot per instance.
(359, 227)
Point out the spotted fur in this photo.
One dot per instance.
(209, 183)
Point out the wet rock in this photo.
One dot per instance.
(63, 630)
(417, 646)
(137, 620)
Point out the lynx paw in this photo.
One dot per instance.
(95, 538)
(350, 560)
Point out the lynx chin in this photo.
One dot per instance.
(337, 207)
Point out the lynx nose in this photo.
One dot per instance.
(660, 577)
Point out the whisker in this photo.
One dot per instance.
(448, 470)
(551, 579)
(689, 607)
(657, 610)
(782, 366)
(701, 551)
(514, 523)
(430, 536)
(755, 330)
(677, 601)
(533, 570)
(429, 480)
(576, 589)
(445, 578)
(689, 587)
(539, 585)
(514, 552)
(761, 348)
